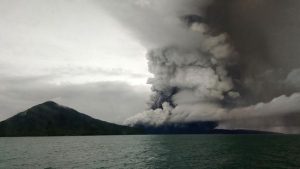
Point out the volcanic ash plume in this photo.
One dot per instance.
(189, 84)
(232, 62)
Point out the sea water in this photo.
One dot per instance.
(152, 151)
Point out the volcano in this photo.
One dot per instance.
(52, 119)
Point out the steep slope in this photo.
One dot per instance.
(51, 119)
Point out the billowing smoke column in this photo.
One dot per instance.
(232, 62)
(189, 80)
(198, 72)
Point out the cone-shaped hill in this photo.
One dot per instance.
(52, 119)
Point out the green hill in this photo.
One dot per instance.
(51, 119)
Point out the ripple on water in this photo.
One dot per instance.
(150, 151)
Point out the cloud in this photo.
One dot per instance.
(156, 23)
(293, 78)
(76, 41)
(281, 114)
(85, 70)
(187, 61)
(227, 61)
(111, 101)
(266, 36)
(69, 52)
(235, 62)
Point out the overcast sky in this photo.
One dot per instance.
(71, 52)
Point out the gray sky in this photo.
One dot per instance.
(71, 52)
(90, 55)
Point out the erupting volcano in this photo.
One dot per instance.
(211, 62)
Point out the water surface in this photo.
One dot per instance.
(152, 151)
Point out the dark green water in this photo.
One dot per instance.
(152, 151)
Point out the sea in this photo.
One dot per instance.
(151, 152)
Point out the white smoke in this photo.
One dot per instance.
(293, 78)
(281, 114)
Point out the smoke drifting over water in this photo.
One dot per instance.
(224, 61)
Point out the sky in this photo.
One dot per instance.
(71, 52)
(155, 62)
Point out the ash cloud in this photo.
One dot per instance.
(281, 114)
(266, 35)
(234, 62)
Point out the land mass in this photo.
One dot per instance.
(52, 119)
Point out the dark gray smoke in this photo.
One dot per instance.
(266, 35)
(231, 61)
